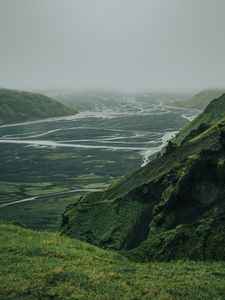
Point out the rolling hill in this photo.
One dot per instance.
(19, 106)
(201, 100)
(40, 265)
(173, 208)
(211, 115)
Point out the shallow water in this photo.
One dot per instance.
(110, 137)
(126, 127)
(107, 139)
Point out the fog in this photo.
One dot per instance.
(112, 44)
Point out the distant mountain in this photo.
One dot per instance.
(201, 100)
(173, 208)
(19, 106)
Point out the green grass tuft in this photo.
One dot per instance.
(37, 265)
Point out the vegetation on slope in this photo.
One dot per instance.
(173, 208)
(47, 266)
(18, 106)
(213, 114)
(201, 100)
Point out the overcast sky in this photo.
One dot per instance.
(128, 44)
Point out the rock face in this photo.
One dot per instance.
(18, 106)
(172, 208)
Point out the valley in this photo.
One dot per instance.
(20, 106)
(112, 150)
(88, 150)
(172, 208)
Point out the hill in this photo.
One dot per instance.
(19, 106)
(41, 265)
(173, 208)
(201, 100)
(211, 115)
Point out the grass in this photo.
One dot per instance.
(43, 214)
(201, 100)
(63, 155)
(37, 265)
(212, 115)
(100, 162)
(39, 214)
(97, 185)
(88, 177)
(12, 191)
(183, 186)
(50, 190)
(18, 106)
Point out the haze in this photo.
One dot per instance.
(112, 44)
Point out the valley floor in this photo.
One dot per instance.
(40, 265)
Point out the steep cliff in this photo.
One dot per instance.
(172, 208)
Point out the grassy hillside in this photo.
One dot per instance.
(38, 265)
(212, 114)
(201, 100)
(171, 209)
(18, 106)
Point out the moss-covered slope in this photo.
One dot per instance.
(172, 208)
(201, 100)
(18, 106)
(212, 114)
(40, 265)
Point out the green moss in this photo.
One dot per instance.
(202, 240)
(104, 222)
(98, 185)
(8, 187)
(154, 208)
(49, 190)
(43, 214)
(201, 100)
(221, 162)
(193, 157)
(88, 177)
(212, 115)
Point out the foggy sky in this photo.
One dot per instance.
(119, 44)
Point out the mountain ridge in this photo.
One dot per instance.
(144, 210)
(200, 100)
(20, 106)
